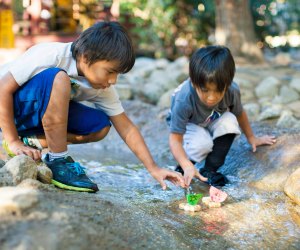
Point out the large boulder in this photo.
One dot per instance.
(292, 186)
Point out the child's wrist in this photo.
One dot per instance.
(251, 137)
(187, 166)
(152, 167)
(13, 141)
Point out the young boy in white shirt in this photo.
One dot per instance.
(39, 102)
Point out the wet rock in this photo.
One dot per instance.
(14, 200)
(190, 208)
(272, 182)
(211, 204)
(292, 186)
(20, 168)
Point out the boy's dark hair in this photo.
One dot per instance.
(212, 64)
(105, 41)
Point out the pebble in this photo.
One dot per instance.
(190, 208)
(211, 204)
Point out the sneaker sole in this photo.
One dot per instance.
(6, 149)
(64, 186)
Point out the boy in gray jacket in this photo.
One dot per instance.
(205, 116)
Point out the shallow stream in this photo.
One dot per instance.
(257, 214)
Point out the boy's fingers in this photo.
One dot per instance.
(175, 175)
(187, 180)
(175, 178)
(200, 177)
(163, 185)
(253, 148)
(36, 155)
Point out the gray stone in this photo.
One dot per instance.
(20, 168)
(2, 163)
(158, 83)
(295, 83)
(178, 70)
(162, 63)
(44, 173)
(252, 110)
(165, 99)
(267, 88)
(286, 120)
(247, 95)
(124, 91)
(288, 95)
(270, 113)
(244, 83)
(144, 66)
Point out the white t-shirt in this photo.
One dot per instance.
(49, 55)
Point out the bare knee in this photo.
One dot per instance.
(58, 105)
(61, 84)
(98, 136)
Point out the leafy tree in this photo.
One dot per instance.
(234, 28)
(169, 28)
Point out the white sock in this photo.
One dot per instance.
(53, 156)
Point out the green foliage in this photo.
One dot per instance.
(275, 17)
(168, 28)
(172, 28)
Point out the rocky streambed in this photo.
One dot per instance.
(132, 212)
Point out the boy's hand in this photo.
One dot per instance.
(161, 174)
(18, 148)
(189, 173)
(263, 140)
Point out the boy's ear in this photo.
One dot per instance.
(83, 59)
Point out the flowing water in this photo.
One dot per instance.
(257, 214)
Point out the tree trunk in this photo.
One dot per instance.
(234, 29)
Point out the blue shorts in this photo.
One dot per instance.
(31, 101)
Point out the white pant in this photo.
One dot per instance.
(198, 141)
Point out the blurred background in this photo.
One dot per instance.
(252, 29)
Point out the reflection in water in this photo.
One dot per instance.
(250, 218)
